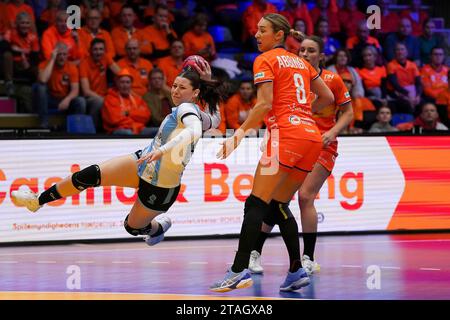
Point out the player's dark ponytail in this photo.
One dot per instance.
(211, 91)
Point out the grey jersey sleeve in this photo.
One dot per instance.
(210, 121)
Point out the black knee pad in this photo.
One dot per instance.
(87, 178)
(136, 232)
(255, 209)
(280, 211)
(270, 218)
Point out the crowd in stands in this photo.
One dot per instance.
(120, 65)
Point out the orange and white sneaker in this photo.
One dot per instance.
(27, 199)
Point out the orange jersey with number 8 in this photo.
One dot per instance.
(291, 107)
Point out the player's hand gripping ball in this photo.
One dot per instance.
(199, 64)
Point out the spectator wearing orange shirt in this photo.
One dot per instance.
(88, 5)
(93, 78)
(3, 18)
(356, 43)
(124, 112)
(173, 64)
(298, 10)
(443, 103)
(158, 99)
(239, 105)
(404, 81)
(48, 16)
(14, 7)
(57, 90)
(326, 9)
(123, 33)
(115, 9)
(60, 33)
(416, 15)
(198, 41)
(373, 76)
(390, 20)
(91, 31)
(250, 19)
(160, 35)
(138, 67)
(403, 35)
(20, 60)
(350, 18)
(434, 75)
(341, 66)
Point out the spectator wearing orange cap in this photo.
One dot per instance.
(93, 78)
(198, 41)
(173, 64)
(58, 88)
(137, 66)
(126, 31)
(159, 35)
(60, 33)
(124, 112)
(91, 31)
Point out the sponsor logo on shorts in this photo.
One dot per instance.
(272, 119)
(295, 120)
(259, 75)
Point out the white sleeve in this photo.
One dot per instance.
(210, 121)
(191, 133)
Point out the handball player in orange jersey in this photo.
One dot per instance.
(312, 50)
(284, 82)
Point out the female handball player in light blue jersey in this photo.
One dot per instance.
(157, 169)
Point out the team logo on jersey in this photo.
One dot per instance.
(259, 75)
(347, 94)
(295, 120)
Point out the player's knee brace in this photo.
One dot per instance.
(253, 209)
(280, 211)
(136, 232)
(86, 178)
